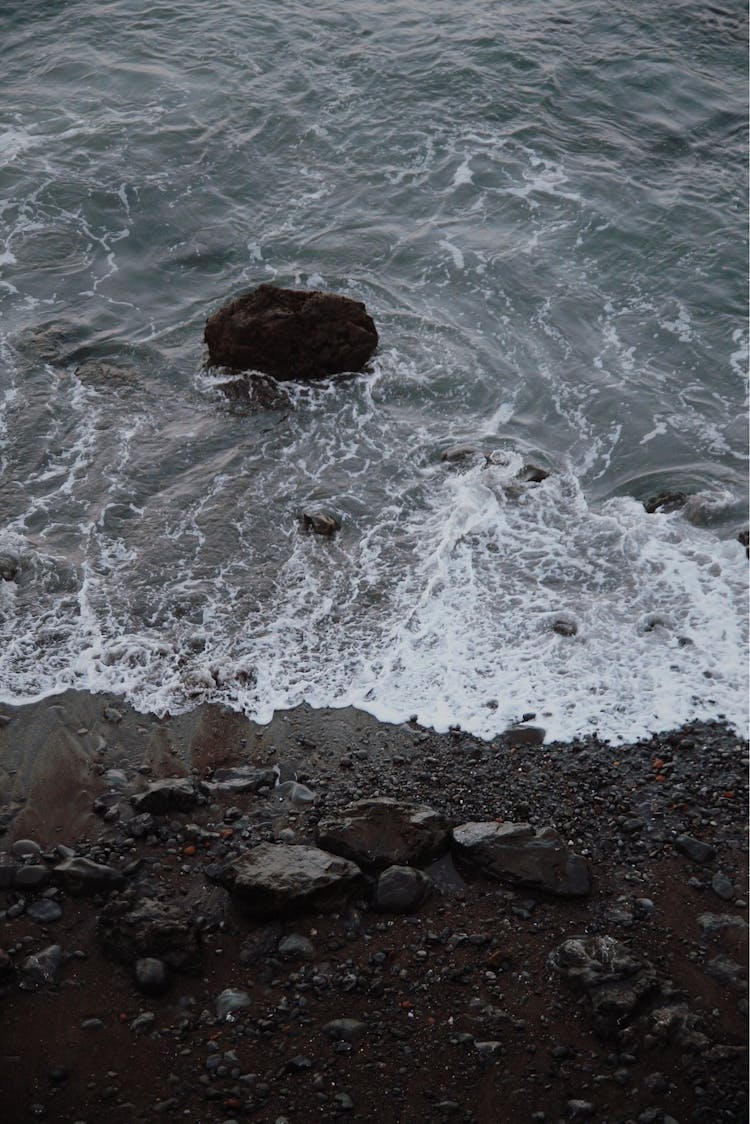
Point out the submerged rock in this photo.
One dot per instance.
(666, 502)
(279, 880)
(385, 832)
(255, 392)
(319, 523)
(516, 853)
(291, 334)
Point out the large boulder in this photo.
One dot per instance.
(278, 881)
(291, 334)
(384, 832)
(516, 853)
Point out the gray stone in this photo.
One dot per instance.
(44, 911)
(516, 853)
(614, 979)
(345, 1030)
(278, 880)
(401, 889)
(384, 832)
(175, 794)
(25, 849)
(43, 968)
(143, 1022)
(80, 876)
(151, 976)
(712, 923)
(696, 850)
(722, 886)
(579, 1110)
(298, 794)
(727, 971)
(241, 778)
(296, 947)
(229, 1001)
(31, 877)
(139, 826)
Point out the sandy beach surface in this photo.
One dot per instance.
(141, 982)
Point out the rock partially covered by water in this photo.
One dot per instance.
(291, 334)
(277, 881)
(515, 852)
(384, 832)
(665, 502)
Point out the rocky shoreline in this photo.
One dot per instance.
(327, 918)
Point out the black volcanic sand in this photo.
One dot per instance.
(467, 969)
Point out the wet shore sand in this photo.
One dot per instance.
(454, 1010)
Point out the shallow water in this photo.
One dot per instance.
(543, 207)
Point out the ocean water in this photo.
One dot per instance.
(543, 206)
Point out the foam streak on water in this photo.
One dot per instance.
(543, 207)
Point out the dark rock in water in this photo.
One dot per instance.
(744, 539)
(516, 853)
(614, 979)
(459, 453)
(401, 889)
(695, 849)
(9, 567)
(176, 794)
(291, 334)
(320, 523)
(149, 930)
(564, 626)
(666, 502)
(385, 832)
(255, 392)
(79, 877)
(532, 474)
(151, 977)
(31, 877)
(279, 881)
(108, 375)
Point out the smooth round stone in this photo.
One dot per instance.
(231, 1000)
(151, 975)
(25, 849)
(296, 947)
(44, 911)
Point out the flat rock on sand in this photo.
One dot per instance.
(276, 881)
(515, 852)
(382, 832)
